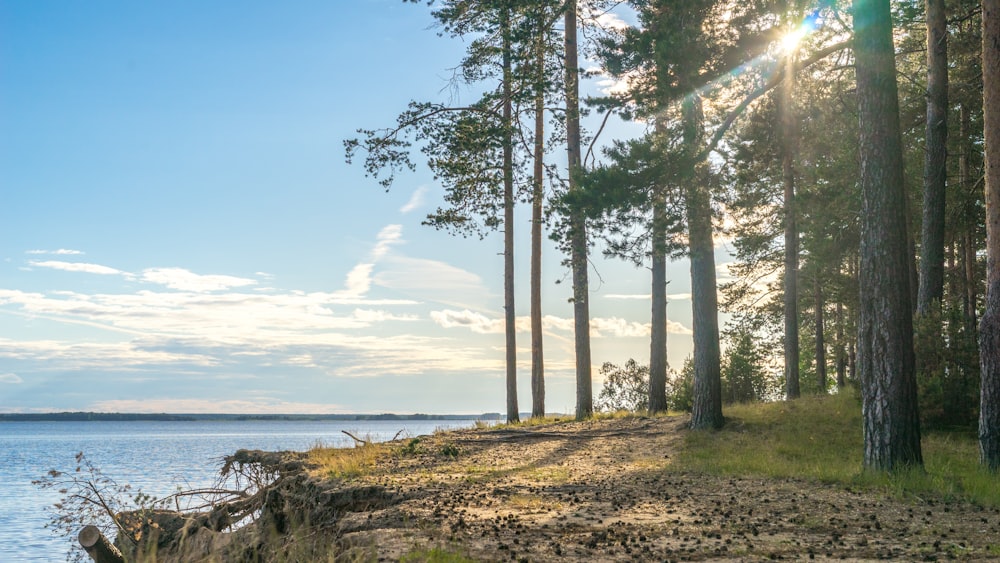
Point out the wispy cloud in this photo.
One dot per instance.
(433, 280)
(627, 297)
(186, 280)
(416, 201)
(59, 252)
(213, 406)
(10, 378)
(600, 327)
(77, 267)
(389, 236)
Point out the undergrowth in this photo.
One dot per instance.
(820, 438)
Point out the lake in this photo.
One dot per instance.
(151, 455)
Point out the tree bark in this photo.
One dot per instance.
(706, 410)
(970, 283)
(98, 547)
(792, 390)
(932, 231)
(820, 344)
(537, 199)
(578, 224)
(510, 320)
(658, 320)
(989, 328)
(885, 325)
(841, 349)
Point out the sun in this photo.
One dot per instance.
(791, 40)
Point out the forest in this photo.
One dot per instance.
(850, 153)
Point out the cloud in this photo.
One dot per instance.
(617, 327)
(622, 296)
(10, 378)
(602, 17)
(358, 280)
(77, 267)
(213, 406)
(389, 235)
(476, 322)
(60, 252)
(645, 296)
(185, 280)
(435, 281)
(600, 327)
(416, 200)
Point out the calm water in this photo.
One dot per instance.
(153, 456)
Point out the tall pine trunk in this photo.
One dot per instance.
(970, 283)
(989, 328)
(508, 223)
(791, 297)
(658, 328)
(932, 232)
(885, 325)
(578, 224)
(706, 409)
(658, 299)
(841, 350)
(820, 343)
(537, 197)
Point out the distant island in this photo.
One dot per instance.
(118, 417)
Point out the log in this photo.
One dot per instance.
(98, 547)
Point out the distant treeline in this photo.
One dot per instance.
(105, 416)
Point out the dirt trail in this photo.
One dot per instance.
(603, 491)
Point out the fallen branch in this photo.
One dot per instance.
(98, 547)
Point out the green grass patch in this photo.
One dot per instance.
(820, 438)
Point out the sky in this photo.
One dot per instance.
(179, 231)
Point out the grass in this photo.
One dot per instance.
(347, 463)
(820, 438)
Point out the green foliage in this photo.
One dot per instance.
(947, 370)
(412, 447)
(820, 438)
(680, 388)
(626, 388)
(745, 377)
(450, 450)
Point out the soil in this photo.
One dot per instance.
(605, 491)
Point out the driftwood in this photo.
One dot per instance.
(98, 547)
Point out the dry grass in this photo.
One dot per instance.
(347, 463)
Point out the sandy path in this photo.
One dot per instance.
(603, 491)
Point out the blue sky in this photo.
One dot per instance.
(179, 231)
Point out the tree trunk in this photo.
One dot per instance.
(658, 326)
(578, 224)
(841, 349)
(706, 409)
(792, 390)
(885, 326)
(932, 232)
(989, 329)
(510, 319)
(537, 197)
(98, 547)
(820, 344)
(971, 284)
